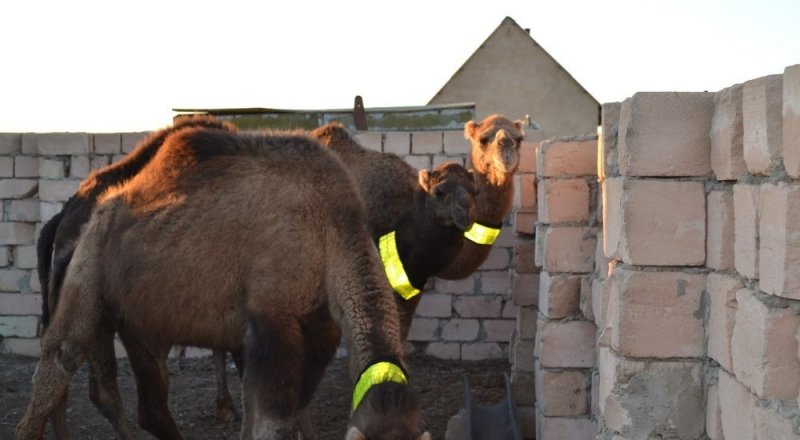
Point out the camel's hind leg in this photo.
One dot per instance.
(58, 419)
(103, 389)
(225, 409)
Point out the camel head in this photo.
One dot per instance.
(389, 411)
(495, 146)
(451, 193)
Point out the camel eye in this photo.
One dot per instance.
(438, 192)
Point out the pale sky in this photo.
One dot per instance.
(120, 65)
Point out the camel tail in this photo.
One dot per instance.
(44, 256)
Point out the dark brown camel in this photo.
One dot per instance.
(57, 242)
(275, 271)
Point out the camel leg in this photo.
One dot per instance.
(271, 385)
(152, 384)
(103, 389)
(225, 410)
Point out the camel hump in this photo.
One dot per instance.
(335, 136)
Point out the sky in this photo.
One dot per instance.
(122, 66)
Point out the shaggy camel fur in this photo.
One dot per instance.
(494, 158)
(57, 242)
(284, 263)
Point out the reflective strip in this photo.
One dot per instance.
(378, 372)
(481, 234)
(394, 267)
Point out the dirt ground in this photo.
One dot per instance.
(439, 383)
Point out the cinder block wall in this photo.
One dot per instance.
(468, 319)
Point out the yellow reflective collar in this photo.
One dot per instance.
(481, 234)
(394, 267)
(378, 372)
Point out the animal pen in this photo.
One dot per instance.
(644, 285)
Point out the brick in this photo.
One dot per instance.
(444, 350)
(14, 280)
(600, 295)
(568, 344)
(131, 140)
(6, 167)
(30, 144)
(479, 351)
(23, 211)
(498, 330)
(25, 257)
(16, 233)
(713, 414)
(455, 143)
(607, 140)
(47, 210)
(20, 304)
(601, 263)
(461, 330)
(562, 392)
(779, 249)
(555, 428)
(52, 168)
(522, 355)
(658, 314)
(26, 166)
(432, 305)
(525, 221)
(117, 158)
(419, 162)
(762, 121)
(79, 167)
(370, 140)
(746, 217)
(736, 408)
(522, 388)
(525, 324)
(30, 347)
(665, 134)
(498, 259)
(764, 347)
(97, 162)
(509, 310)
(568, 249)
(18, 188)
(587, 290)
(53, 144)
(721, 290)
(727, 150)
(10, 144)
(791, 120)
(507, 238)
(525, 289)
(720, 235)
(5, 256)
(456, 287)
(495, 282)
(563, 201)
(527, 157)
(57, 191)
(34, 283)
(397, 142)
(559, 295)
(567, 158)
(478, 306)
(423, 329)
(525, 191)
(427, 142)
(526, 418)
(655, 222)
(19, 326)
(107, 143)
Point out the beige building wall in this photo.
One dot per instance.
(512, 75)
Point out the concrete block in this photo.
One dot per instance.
(397, 142)
(478, 351)
(79, 167)
(720, 236)
(498, 330)
(455, 143)
(52, 168)
(586, 298)
(559, 295)
(427, 142)
(97, 162)
(370, 140)
(18, 188)
(14, 280)
(522, 388)
(7, 167)
(25, 257)
(791, 120)
(526, 417)
(34, 283)
(456, 287)
(525, 191)
(658, 314)
(779, 248)
(600, 294)
(525, 289)
(432, 305)
(563, 201)
(764, 346)
(20, 304)
(727, 150)
(423, 329)
(562, 393)
(438, 159)
(47, 210)
(16, 233)
(30, 144)
(527, 157)
(57, 190)
(107, 143)
(568, 249)
(23, 210)
(418, 162)
(556, 428)
(522, 355)
(713, 414)
(509, 310)
(567, 157)
(19, 326)
(525, 322)
(665, 134)
(746, 216)
(495, 282)
(525, 256)
(736, 408)
(5, 256)
(655, 222)
(721, 290)
(444, 350)
(131, 140)
(607, 145)
(568, 344)
(771, 424)
(30, 347)
(762, 120)
(10, 144)
(525, 221)
(54, 144)
(26, 166)
(461, 330)
(478, 306)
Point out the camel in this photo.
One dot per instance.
(57, 241)
(283, 268)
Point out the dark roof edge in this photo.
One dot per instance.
(262, 110)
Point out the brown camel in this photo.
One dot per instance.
(252, 243)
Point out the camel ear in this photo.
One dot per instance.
(469, 129)
(425, 180)
(520, 124)
(425, 436)
(354, 434)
